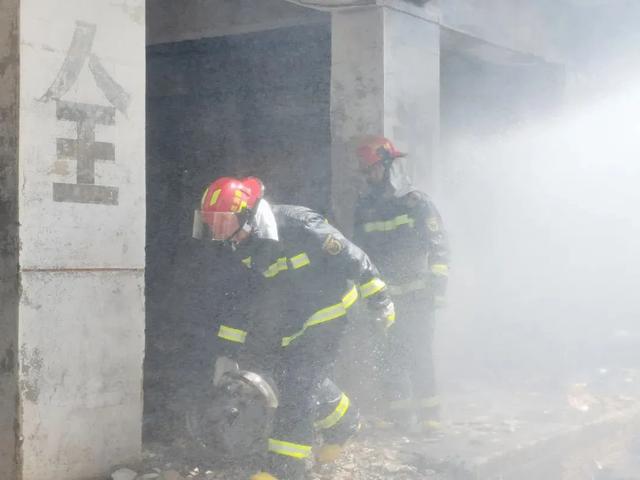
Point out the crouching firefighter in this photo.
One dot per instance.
(401, 229)
(309, 276)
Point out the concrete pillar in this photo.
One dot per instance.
(72, 192)
(8, 239)
(385, 79)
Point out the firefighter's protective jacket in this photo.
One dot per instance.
(406, 238)
(306, 280)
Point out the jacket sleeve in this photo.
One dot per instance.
(232, 328)
(263, 313)
(346, 255)
(240, 328)
(438, 248)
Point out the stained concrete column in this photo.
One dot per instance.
(385, 79)
(73, 197)
(9, 286)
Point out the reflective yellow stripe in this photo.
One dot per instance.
(300, 261)
(440, 269)
(336, 415)
(388, 225)
(280, 265)
(407, 287)
(232, 334)
(372, 287)
(326, 314)
(429, 402)
(247, 262)
(289, 449)
(214, 197)
(277, 267)
(391, 319)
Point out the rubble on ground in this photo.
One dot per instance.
(364, 459)
(483, 430)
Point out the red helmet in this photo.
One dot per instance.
(228, 204)
(376, 149)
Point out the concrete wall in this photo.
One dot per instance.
(171, 21)
(81, 212)
(9, 67)
(357, 98)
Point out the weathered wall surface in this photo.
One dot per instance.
(80, 382)
(9, 288)
(357, 98)
(82, 216)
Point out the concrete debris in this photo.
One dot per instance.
(124, 474)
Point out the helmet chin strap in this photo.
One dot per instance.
(229, 242)
(245, 225)
(394, 181)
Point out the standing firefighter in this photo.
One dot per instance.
(309, 275)
(401, 229)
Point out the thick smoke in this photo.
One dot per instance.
(545, 219)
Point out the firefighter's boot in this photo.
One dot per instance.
(429, 417)
(329, 453)
(404, 416)
(263, 476)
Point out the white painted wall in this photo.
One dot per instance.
(81, 311)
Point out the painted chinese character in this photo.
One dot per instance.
(84, 148)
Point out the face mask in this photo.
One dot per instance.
(398, 178)
(264, 224)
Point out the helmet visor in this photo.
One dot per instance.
(399, 178)
(217, 226)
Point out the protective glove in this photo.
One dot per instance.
(384, 313)
(438, 283)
